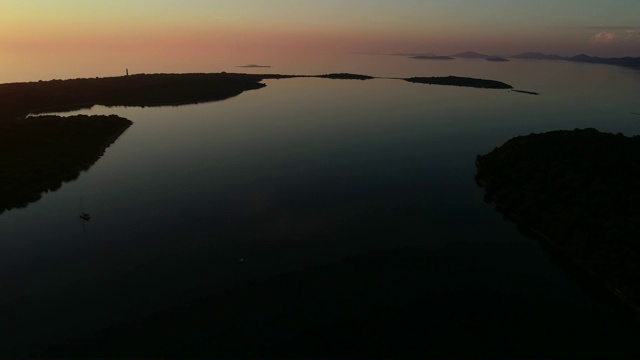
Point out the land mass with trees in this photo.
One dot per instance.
(39, 153)
(578, 192)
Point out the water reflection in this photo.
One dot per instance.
(306, 173)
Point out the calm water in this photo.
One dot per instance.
(301, 173)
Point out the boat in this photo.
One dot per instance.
(84, 215)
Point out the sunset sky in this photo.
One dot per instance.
(85, 33)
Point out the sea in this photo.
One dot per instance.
(359, 194)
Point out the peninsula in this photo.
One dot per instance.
(526, 92)
(21, 99)
(40, 153)
(17, 100)
(578, 191)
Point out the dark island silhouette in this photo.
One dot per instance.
(17, 100)
(578, 192)
(497, 59)
(526, 92)
(344, 76)
(460, 81)
(38, 154)
(431, 57)
(632, 62)
(254, 66)
(20, 99)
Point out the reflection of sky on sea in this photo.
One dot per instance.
(301, 172)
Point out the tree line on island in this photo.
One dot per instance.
(39, 154)
(19, 99)
(578, 191)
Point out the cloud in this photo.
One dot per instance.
(617, 36)
(612, 28)
(604, 37)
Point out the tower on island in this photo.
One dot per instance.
(127, 72)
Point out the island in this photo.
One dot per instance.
(526, 92)
(431, 57)
(344, 76)
(40, 153)
(254, 66)
(627, 61)
(460, 81)
(497, 59)
(578, 192)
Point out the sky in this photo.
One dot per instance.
(63, 32)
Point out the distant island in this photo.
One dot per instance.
(431, 57)
(578, 192)
(526, 92)
(344, 76)
(254, 66)
(460, 81)
(633, 62)
(497, 59)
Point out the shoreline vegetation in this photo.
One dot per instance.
(17, 100)
(577, 191)
(460, 81)
(39, 153)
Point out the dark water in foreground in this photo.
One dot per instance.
(353, 206)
